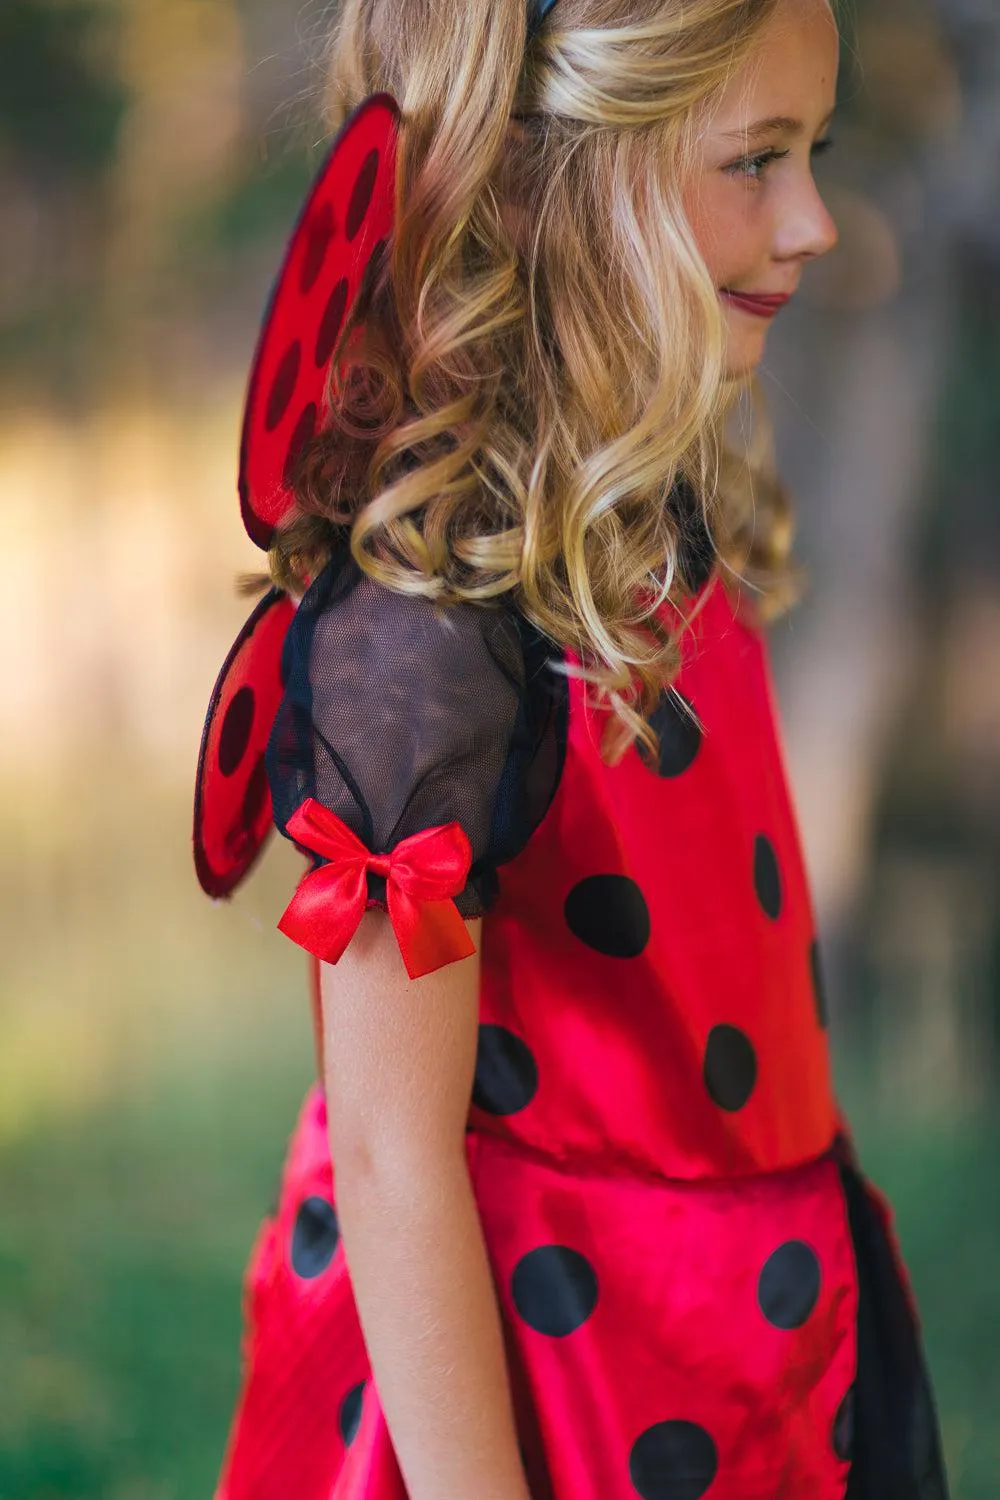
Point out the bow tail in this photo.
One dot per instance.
(325, 911)
(430, 933)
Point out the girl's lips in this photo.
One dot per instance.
(759, 306)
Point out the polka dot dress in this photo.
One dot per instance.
(699, 1295)
(651, 1142)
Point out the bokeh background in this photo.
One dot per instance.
(154, 1046)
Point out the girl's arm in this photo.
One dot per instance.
(399, 1064)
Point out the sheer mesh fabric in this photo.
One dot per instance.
(399, 716)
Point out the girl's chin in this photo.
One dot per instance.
(743, 355)
(739, 370)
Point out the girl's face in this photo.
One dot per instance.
(753, 205)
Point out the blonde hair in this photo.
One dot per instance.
(542, 355)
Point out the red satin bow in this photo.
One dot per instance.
(423, 874)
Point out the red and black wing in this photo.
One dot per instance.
(232, 800)
(345, 222)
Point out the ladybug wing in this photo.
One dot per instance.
(346, 220)
(232, 800)
(344, 224)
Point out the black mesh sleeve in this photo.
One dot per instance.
(400, 716)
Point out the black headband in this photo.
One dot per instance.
(537, 11)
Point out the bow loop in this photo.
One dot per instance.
(432, 865)
(320, 831)
(423, 875)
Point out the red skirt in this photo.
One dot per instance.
(742, 1340)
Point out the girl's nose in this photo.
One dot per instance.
(806, 229)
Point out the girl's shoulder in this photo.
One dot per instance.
(400, 715)
(343, 596)
(375, 638)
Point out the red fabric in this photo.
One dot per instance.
(423, 875)
(678, 1331)
(636, 1031)
(675, 1275)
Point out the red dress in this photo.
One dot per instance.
(699, 1291)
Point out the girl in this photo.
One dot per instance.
(592, 1227)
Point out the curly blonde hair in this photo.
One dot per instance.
(539, 358)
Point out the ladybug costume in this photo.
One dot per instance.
(700, 1293)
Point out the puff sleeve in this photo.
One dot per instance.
(413, 752)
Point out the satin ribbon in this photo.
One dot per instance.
(422, 875)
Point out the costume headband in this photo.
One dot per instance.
(537, 11)
(344, 226)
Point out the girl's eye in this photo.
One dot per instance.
(753, 166)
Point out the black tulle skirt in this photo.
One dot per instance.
(894, 1439)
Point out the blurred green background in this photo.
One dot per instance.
(153, 1046)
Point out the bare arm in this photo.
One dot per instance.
(399, 1064)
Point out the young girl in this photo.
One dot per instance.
(592, 1227)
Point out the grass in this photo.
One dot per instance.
(121, 1249)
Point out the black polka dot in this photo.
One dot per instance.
(315, 1237)
(843, 1428)
(283, 385)
(673, 1461)
(305, 429)
(818, 984)
(329, 328)
(361, 194)
(555, 1289)
(236, 726)
(255, 796)
(319, 233)
(609, 913)
(789, 1285)
(680, 736)
(506, 1073)
(767, 876)
(349, 1419)
(730, 1069)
